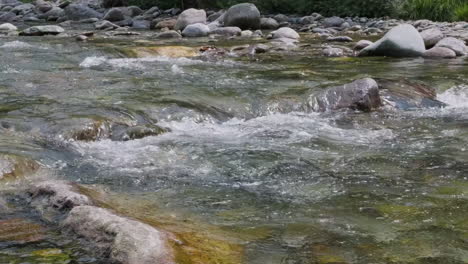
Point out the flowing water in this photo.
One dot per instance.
(245, 159)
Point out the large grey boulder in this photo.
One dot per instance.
(196, 30)
(80, 12)
(124, 240)
(54, 12)
(454, 44)
(401, 41)
(23, 9)
(431, 37)
(360, 95)
(43, 6)
(268, 23)
(190, 16)
(114, 14)
(284, 32)
(440, 52)
(7, 17)
(244, 16)
(42, 30)
(333, 21)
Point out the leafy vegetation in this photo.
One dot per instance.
(437, 10)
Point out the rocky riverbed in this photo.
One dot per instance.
(193, 136)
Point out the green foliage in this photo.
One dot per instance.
(436, 10)
(461, 13)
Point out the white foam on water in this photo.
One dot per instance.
(16, 44)
(92, 62)
(141, 63)
(456, 97)
(176, 69)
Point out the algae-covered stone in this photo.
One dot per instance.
(125, 240)
(12, 166)
(57, 195)
(166, 51)
(18, 230)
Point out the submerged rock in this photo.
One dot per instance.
(56, 195)
(13, 167)
(20, 231)
(42, 30)
(125, 241)
(360, 95)
(136, 132)
(244, 16)
(401, 41)
(370, 94)
(167, 51)
(406, 95)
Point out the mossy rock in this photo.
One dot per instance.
(20, 231)
(13, 167)
(401, 212)
(164, 51)
(195, 242)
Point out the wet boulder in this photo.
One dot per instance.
(227, 31)
(56, 195)
(196, 30)
(7, 17)
(362, 95)
(440, 52)
(333, 22)
(43, 6)
(284, 32)
(124, 133)
(431, 37)
(80, 12)
(7, 27)
(407, 95)
(123, 240)
(458, 46)
(244, 16)
(168, 23)
(189, 17)
(269, 23)
(401, 41)
(362, 44)
(23, 9)
(114, 14)
(42, 30)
